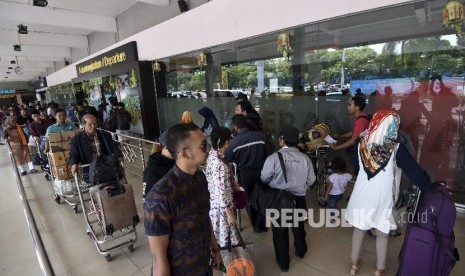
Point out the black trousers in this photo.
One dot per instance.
(247, 179)
(281, 238)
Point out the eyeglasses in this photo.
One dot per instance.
(204, 147)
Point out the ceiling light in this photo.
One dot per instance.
(17, 47)
(10, 68)
(6, 77)
(8, 72)
(22, 29)
(12, 62)
(39, 3)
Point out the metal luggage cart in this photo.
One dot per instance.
(64, 190)
(44, 162)
(321, 164)
(105, 244)
(238, 211)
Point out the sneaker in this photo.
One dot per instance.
(33, 171)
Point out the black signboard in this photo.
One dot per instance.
(121, 55)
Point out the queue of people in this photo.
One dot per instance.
(251, 151)
(190, 213)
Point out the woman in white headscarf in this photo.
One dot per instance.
(381, 161)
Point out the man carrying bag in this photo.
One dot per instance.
(291, 171)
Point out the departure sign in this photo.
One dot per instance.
(120, 55)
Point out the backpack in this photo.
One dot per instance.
(428, 248)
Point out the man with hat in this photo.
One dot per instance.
(298, 176)
(158, 165)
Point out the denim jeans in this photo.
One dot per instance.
(332, 201)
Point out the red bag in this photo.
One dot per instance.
(240, 199)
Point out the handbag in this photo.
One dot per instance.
(239, 259)
(239, 196)
(105, 168)
(240, 199)
(264, 197)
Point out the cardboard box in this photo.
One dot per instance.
(54, 137)
(61, 172)
(66, 145)
(58, 159)
(56, 147)
(67, 135)
(67, 153)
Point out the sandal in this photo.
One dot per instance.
(354, 266)
(23, 173)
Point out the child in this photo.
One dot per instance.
(337, 183)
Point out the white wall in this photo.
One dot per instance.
(223, 21)
(142, 16)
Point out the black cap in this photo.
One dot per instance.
(290, 135)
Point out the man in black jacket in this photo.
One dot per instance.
(123, 122)
(91, 142)
(158, 165)
(249, 150)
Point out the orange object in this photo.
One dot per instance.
(186, 118)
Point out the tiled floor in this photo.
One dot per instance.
(72, 253)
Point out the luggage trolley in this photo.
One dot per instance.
(321, 162)
(105, 244)
(42, 157)
(64, 185)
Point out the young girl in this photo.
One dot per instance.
(337, 183)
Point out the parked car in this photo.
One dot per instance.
(285, 89)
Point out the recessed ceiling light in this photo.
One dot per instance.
(8, 72)
(10, 68)
(12, 62)
(17, 47)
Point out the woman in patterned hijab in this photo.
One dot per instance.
(377, 146)
(383, 160)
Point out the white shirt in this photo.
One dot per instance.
(339, 182)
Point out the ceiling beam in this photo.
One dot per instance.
(46, 39)
(5, 63)
(162, 3)
(29, 14)
(52, 52)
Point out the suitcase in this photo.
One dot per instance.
(117, 207)
(428, 248)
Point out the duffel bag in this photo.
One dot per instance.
(105, 168)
